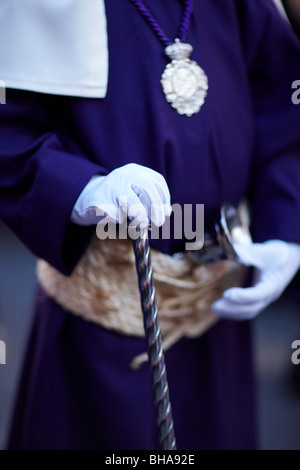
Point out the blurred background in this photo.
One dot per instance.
(278, 380)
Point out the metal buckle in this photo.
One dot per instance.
(231, 227)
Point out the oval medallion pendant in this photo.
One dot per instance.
(183, 81)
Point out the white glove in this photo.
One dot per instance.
(276, 264)
(131, 191)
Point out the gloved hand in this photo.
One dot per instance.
(276, 264)
(132, 191)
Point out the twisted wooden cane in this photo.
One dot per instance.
(154, 342)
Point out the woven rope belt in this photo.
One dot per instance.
(103, 289)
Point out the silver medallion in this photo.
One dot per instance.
(184, 82)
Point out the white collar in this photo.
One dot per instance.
(54, 46)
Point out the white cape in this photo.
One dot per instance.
(54, 46)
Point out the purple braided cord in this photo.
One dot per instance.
(186, 19)
(184, 26)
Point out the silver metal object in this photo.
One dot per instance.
(231, 227)
(183, 81)
(154, 342)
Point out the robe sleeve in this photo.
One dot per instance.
(275, 189)
(40, 181)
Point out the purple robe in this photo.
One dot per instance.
(77, 391)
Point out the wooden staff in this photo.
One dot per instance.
(154, 342)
